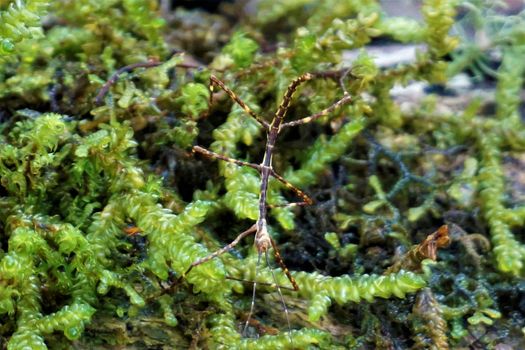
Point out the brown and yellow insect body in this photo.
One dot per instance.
(263, 241)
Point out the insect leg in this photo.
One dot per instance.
(306, 200)
(223, 250)
(344, 100)
(214, 81)
(211, 154)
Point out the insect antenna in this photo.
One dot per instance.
(268, 284)
(285, 308)
(274, 284)
(252, 306)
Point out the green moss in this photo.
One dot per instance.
(20, 21)
(103, 206)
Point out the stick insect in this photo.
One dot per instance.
(263, 241)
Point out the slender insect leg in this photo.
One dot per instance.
(287, 98)
(283, 267)
(346, 99)
(306, 200)
(211, 154)
(215, 81)
(222, 250)
(287, 205)
(292, 88)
